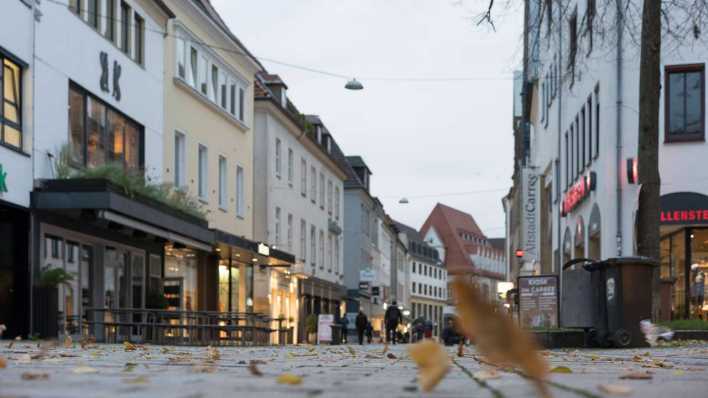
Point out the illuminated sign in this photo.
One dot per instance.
(632, 171)
(683, 216)
(577, 193)
(3, 180)
(263, 249)
(684, 208)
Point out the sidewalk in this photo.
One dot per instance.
(329, 371)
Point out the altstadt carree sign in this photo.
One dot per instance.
(530, 215)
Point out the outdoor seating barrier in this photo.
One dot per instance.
(165, 327)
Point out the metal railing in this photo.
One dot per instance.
(181, 327)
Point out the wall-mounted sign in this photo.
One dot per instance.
(363, 285)
(578, 193)
(366, 275)
(538, 301)
(263, 249)
(3, 180)
(684, 208)
(103, 57)
(530, 215)
(632, 171)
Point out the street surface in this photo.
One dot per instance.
(333, 371)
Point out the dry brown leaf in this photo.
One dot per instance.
(487, 374)
(461, 350)
(86, 342)
(35, 376)
(84, 370)
(636, 376)
(615, 389)
(68, 342)
(213, 353)
(391, 356)
(288, 378)
(253, 368)
(433, 363)
(3, 363)
(497, 336)
(128, 346)
(137, 380)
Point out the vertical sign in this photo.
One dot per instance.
(324, 328)
(530, 215)
(538, 301)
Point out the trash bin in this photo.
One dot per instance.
(617, 293)
(336, 334)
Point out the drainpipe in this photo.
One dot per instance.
(558, 154)
(33, 224)
(618, 123)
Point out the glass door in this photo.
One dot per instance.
(71, 290)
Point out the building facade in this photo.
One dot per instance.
(298, 208)
(582, 145)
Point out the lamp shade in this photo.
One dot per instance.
(354, 85)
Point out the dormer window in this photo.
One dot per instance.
(319, 134)
(283, 97)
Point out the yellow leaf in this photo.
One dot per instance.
(497, 336)
(137, 380)
(128, 346)
(288, 378)
(615, 389)
(3, 363)
(433, 363)
(678, 372)
(85, 370)
(561, 369)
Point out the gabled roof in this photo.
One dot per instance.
(451, 225)
(417, 246)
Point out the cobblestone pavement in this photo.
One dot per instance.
(330, 371)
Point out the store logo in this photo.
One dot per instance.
(3, 179)
(103, 57)
(578, 193)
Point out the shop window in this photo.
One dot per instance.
(698, 272)
(678, 265)
(684, 103)
(11, 104)
(181, 279)
(100, 135)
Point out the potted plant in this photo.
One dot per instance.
(311, 328)
(46, 300)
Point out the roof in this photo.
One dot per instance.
(358, 161)
(462, 239)
(161, 4)
(417, 246)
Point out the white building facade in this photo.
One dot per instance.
(584, 140)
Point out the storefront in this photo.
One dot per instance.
(318, 296)
(684, 255)
(14, 268)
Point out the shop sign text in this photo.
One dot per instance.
(3, 180)
(578, 193)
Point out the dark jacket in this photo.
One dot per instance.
(361, 321)
(392, 317)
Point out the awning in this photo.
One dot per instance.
(246, 250)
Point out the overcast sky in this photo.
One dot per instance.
(418, 138)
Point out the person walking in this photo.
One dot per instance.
(361, 322)
(344, 323)
(392, 318)
(369, 332)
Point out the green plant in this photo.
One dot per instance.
(53, 277)
(131, 183)
(311, 323)
(686, 324)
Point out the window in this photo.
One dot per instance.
(313, 246)
(125, 27)
(214, 92)
(322, 250)
(313, 184)
(413, 287)
(330, 252)
(11, 104)
(240, 193)
(290, 232)
(139, 38)
(241, 105)
(203, 75)
(75, 6)
(597, 121)
(549, 16)
(232, 104)
(303, 240)
(590, 131)
(573, 39)
(203, 170)
(303, 177)
(573, 169)
(193, 67)
(278, 163)
(276, 240)
(291, 166)
(579, 146)
(414, 267)
(110, 20)
(330, 194)
(336, 203)
(336, 254)
(222, 182)
(322, 190)
(98, 134)
(93, 13)
(684, 103)
(180, 160)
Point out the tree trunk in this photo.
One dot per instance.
(648, 149)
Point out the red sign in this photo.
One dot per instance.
(684, 215)
(577, 193)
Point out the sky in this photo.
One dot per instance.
(423, 140)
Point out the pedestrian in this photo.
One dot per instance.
(369, 332)
(344, 323)
(392, 318)
(361, 323)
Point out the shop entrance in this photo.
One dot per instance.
(14, 271)
(684, 267)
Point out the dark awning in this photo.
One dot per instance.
(111, 204)
(249, 251)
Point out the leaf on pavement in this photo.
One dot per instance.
(497, 336)
(68, 342)
(636, 376)
(461, 350)
(487, 374)
(351, 350)
(561, 369)
(84, 370)
(433, 363)
(129, 366)
(289, 378)
(137, 380)
(35, 376)
(128, 346)
(390, 355)
(253, 368)
(3, 363)
(615, 389)
(213, 353)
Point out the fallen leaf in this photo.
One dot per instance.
(253, 368)
(3, 363)
(213, 353)
(67, 355)
(137, 380)
(68, 342)
(461, 350)
(351, 350)
(488, 374)
(561, 369)
(129, 366)
(85, 370)
(390, 356)
(288, 378)
(128, 346)
(636, 376)
(204, 368)
(433, 363)
(497, 336)
(615, 389)
(678, 372)
(35, 376)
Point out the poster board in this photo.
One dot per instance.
(324, 328)
(538, 301)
